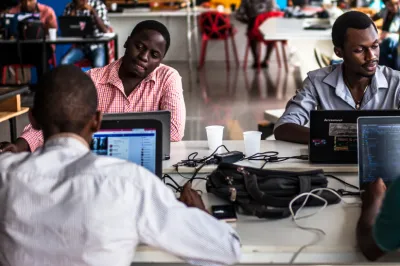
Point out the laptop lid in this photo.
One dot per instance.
(163, 116)
(76, 26)
(333, 134)
(138, 141)
(378, 149)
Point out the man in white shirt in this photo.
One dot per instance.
(63, 205)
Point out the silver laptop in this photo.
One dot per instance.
(378, 149)
(163, 116)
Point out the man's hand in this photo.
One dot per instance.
(191, 198)
(372, 200)
(19, 146)
(8, 147)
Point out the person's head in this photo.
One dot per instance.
(356, 40)
(145, 48)
(28, 5)
(66, 102)
(392, 5)
(80, 3)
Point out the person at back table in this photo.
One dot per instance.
(63, 205)
(138, 82)
(356, 84)
(96, 53)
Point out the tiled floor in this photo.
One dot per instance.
(235, 99)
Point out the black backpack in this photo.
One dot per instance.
(267, 193)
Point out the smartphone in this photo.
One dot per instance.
(226, 213)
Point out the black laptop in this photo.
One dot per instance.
(75, 26)
(333, 134)
(163, 116)
(378, 149)
(138, 141)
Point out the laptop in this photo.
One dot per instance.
(74, 26)
(333, 134)
(163, 116)
(378, 149)
(138, 141)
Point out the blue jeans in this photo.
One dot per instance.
(96, 56)
(388, 53)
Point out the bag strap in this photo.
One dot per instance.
(263, 198)
(261, 211)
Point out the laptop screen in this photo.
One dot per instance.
(379, 149)
(135, 145)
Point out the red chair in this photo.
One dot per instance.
(255, 34)
(17, 67)
(217, 26)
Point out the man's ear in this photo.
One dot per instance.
(96, 124)
(338, 52)
(33, 120)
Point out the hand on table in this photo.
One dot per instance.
(8, 147)
(191, 198)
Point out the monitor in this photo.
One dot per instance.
(138, 142)
(378, 149)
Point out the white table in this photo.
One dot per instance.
(305, 41)
(274, 242)
(181, 150)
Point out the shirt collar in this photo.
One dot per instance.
(68, 140)
(335, 80)
(112, 76)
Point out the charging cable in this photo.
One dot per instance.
(296, 216)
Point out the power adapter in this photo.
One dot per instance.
(229, 157)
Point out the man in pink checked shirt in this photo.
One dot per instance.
(137, 82)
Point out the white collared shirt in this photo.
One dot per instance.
(63, 205)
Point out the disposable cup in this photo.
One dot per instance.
(252, 142)
(214, 137)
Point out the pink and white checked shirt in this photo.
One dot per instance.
(161, 90)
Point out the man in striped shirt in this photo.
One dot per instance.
(137, 82)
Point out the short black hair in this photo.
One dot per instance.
(351, 19)
(65, 100)
(153, 25)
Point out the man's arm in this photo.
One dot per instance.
(52, 20)
(99, 13)
(291, 126)
(33, 137)
(378, 229)
(189, 233)
(292, 133)
(173, 101)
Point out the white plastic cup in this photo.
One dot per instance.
(114, 6)
(214, 137)
(252, 142)
(52, 34)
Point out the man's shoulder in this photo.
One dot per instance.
(46, 8)
(101, 73)
(321, 73)
(9, 161)
(389, 73)
(166, 72)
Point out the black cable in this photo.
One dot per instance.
(343, 182)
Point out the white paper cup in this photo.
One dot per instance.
(214, 137)
(252, 142)
(114, 6)
(52, 34)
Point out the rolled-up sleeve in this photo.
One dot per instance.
(386, 230)
(33, 137)
(188, 233)
(299, 107)
(173, 101)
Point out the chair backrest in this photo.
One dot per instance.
(255, 32)
(215, 25)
